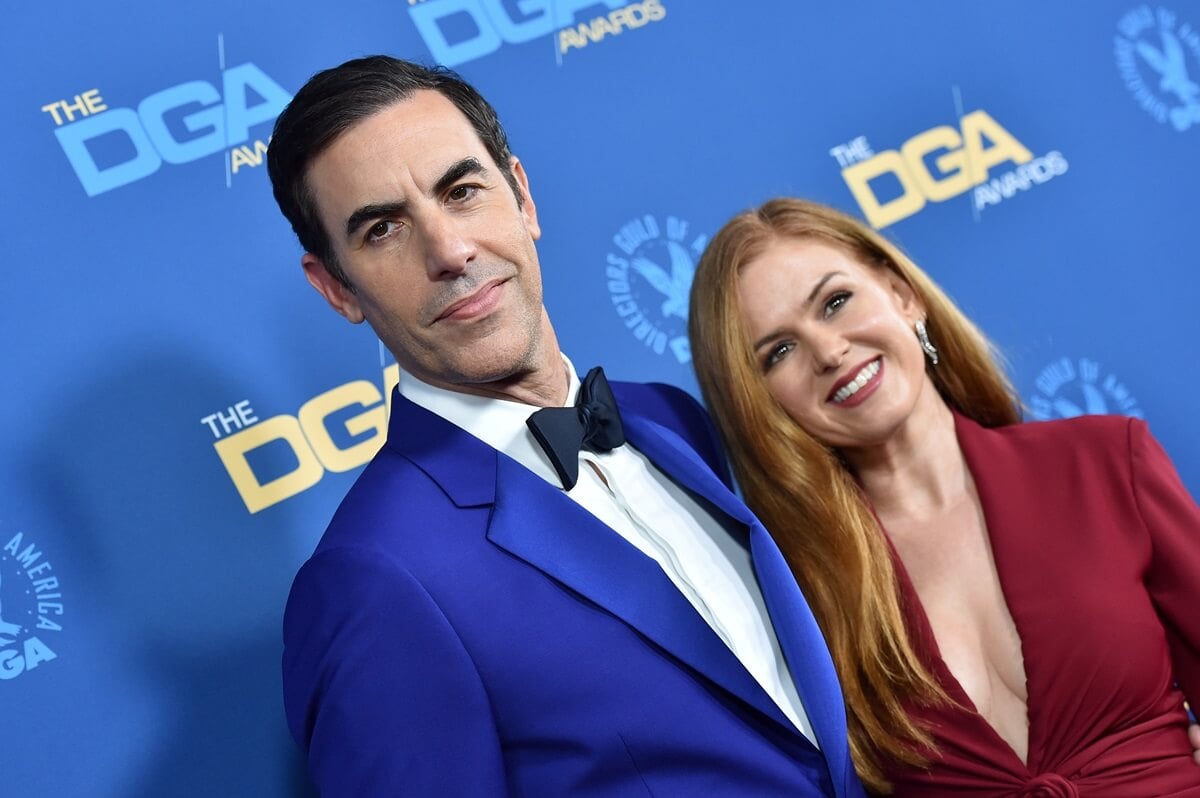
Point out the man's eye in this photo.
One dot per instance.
(462, 192)
(380, 231)
(835, 302)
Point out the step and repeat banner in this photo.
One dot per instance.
(182, 413)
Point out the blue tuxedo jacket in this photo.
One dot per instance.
(466, 629)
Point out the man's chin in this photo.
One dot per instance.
(481, 369)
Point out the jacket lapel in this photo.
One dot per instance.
(571, 546)
(799, 636)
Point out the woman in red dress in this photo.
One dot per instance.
(1014, 608)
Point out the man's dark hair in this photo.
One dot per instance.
(335, 100)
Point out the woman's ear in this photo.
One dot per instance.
(904, 296)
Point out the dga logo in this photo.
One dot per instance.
(939, 164)
(273, 459)
(112, 147)
(1068, 388)
(1153, 53)
(458, 31)
(30, 603)
(650, 280)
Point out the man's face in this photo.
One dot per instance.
(431, 237)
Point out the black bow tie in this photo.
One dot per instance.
(593, 424)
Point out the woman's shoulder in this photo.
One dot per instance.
(1080, 438)
(1097, 427)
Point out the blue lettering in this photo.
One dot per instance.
(153, 109)
(243, 116)
(427, 18)
(28, 557)
(37, 652)
(537, 21)
(13, 664)
(491, 24)
(74, 137)
(682, 349)
(250, 98)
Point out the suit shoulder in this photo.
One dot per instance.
(655, 393)
(389, 496)
(664, 404)
(680, 412)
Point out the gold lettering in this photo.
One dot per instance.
(257, 496)
(85, 104)
(93, 100)
(858, 177)
(1005, 147)
(630, 17)
(71, 108)
(951, 164)
(244, 156)
(982, 144)
(312, 417)
(52, 109)
(569, 38)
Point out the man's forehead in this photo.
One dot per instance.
(424, 120)
(416, 139)
(424, 131)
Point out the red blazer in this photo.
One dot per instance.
(1097, 545)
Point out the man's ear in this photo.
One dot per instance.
(528, 208)
(339, 297)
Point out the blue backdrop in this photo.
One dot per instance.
(182, 413)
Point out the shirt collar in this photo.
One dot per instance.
(499, 423)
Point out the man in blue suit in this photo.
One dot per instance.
(487, 615)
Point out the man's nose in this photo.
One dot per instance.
(449, 250)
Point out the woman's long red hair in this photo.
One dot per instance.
(804, 495)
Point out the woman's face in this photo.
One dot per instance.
(833, 338)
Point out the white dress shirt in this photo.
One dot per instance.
(631, 495)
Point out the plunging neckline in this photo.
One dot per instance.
(1074, 510)
(950, 682)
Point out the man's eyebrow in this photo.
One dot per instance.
(769, 337)
(459, 170)
(368, 212)
(467, 166)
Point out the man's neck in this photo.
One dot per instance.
(544, 387)
(542, 379)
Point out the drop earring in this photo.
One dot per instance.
(926, 345)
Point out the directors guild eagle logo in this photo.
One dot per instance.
(1068, 388)
(30, 603)
(649, 280)
(1153, 52)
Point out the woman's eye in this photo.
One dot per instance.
(777, 353)
(835, 302)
